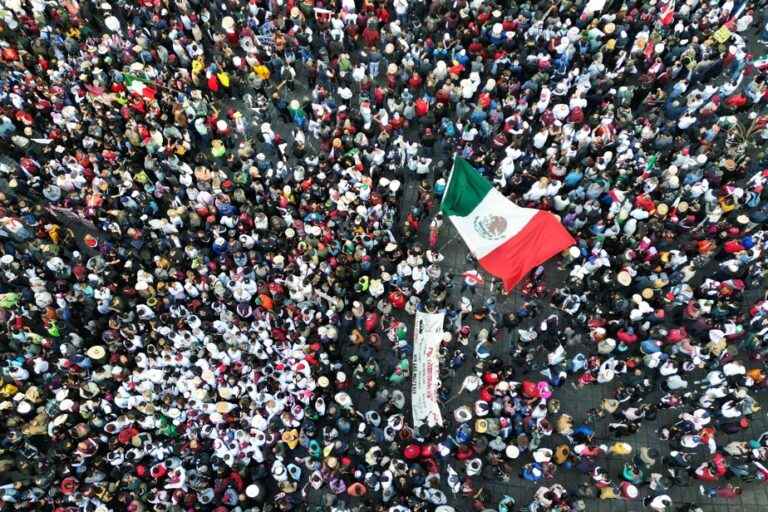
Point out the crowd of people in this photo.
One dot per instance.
(218, 220)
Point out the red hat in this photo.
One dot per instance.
(127, 434)
(412, 452)
(68, 485)
(158, 471)
(464, 453)
(357, 489)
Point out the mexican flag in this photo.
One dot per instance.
(139, 87)
(509, 241)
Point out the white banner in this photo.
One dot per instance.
(428, 333)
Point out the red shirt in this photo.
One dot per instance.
(645, 203)
(476, 48)
(383, 15)
(415, 81)
(421, 107)
(378, 96)
(371, 36)
(736, 101)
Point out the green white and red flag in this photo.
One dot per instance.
(508, 240)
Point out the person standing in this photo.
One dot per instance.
(471, 279)
(434, 230)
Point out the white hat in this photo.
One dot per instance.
(228, 24)
(463, 414)
(471, 383)
(112, 23)
(434, 256)
(474, 466)
(252, 491)
(343, 399)
(542, 455)
(24, 407)
(512, 451)
(561, 111)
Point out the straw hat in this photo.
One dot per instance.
(228, 24)
(662, 209)
(609, 405)
(97, 353)
(291, 438)
(682, 207)
(624, 278)
(647, 293)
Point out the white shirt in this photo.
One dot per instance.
(469, 135)
(540, 139)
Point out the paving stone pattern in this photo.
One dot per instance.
(574, 402)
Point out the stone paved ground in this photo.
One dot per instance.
(575, 403)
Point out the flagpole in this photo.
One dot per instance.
(450, 177)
